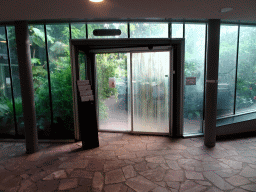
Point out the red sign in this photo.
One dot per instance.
(190, 80)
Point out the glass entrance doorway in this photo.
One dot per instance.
(139, 100)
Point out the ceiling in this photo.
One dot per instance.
(11, 10)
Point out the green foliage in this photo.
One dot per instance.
(191, 69)
(107, 66)
(78, 31)
(148, 30)
(2, 37)
(7, 113)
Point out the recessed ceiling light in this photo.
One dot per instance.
(224, 10)
(96, 1)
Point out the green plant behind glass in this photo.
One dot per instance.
(7, 113)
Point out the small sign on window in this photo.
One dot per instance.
(8, 81)
(190, 80)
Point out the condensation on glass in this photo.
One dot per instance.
(194, 68)
(6, 104)
(78, 30)
(150, 83)
(148, 30)
(113, 104)
(177, 30)
(246, 72)
(227, 69)
(121, 26)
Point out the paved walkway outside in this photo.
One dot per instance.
(130, 163)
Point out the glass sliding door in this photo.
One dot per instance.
(139, 101)
(150, 88)
(113, 104)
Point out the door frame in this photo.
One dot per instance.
(86, 45)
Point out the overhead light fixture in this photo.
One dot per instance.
(224, 10)
(3, 41)
(96, 1)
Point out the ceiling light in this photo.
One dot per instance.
(224, 10)
(3, 41)
(96, 1)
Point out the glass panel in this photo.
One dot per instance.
(149, 30)
(82, 66)
(40, 79)
(7, 126)
(121, 26)
(177, 30)
(150, 80)
(227, 69)
(16, 81)
(246, 74)
(113, 103)
(194, 68)
(78, 30)
(61, 85)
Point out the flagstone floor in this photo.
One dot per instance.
(129, 163)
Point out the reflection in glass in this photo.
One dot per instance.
(177, 30)
(148, 30)
(78, 30)
(194, 67)
(40, 79)
(113, 102)
(16, 81)
(150, 81)
(121, 26)
(60, 77)
(6, 105)
(227, 69)
(246, 74)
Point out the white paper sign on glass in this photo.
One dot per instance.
(87, 98)
(8, 81)
(86, 93)
(82, 82)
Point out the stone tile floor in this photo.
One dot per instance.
(129, 163)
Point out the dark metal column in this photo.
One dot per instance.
(26, 83)
(212, 82)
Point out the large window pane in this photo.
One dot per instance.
(227, 69)
(177, 30)
(78, 30)
(16, 81)
(194, 69)
(7, 126)
(121, 26)
(60, 76)
(246, 74)
(149, 30)
(40, 79)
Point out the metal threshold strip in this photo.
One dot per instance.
(136, 132)
(193, 135)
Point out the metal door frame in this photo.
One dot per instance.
(170, 74)
(176, 97)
